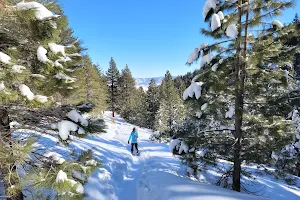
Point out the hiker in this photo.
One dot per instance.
(134, 136)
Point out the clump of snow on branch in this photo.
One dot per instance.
(209, 4)
(56, 48)
(41, 98)
(230, 112)
(91, 162)
(193, 56)
(40, 11)
(56, 157)
(74, 55)
(203, 46)
(183, 147)
(174, 144)
(18, 69)
(4, 58)
(78, 118)
(206, 59)
(63, 76)
(41, 55)
(61, 176)
(2, 86)
(38, 76)
(65, 127)
(193, 89)
(215, 22)
(232, 31)
(277, 23)
(25, 91)
(204, 106)
(199, 114)
(221, 15)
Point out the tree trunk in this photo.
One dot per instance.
(5, 137)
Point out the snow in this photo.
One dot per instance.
(230, 112)
(74, 55)
(5, 58)
(173, 144)
(63, 76)
(61, 176)
(183, 147)
(56, 48)
(38, 76)
(215, 22)
(41, 98)
(193, 56)
(199, 114)
(221, 15)
(65, 127)
(40, 11)
(203, 46)
(57, 64)
(215, 67)
(2, 86)
(91, 162)
(232, 31)
(18, 69)
(55, 156)
(78, 118)
(286, 74)
(194, 88)
(156, 173)
(206, 59)
(25, 91)
(41, 55)
(204, 106)
(209, 4)
(277, 23)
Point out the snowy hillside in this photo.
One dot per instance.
(144, 82)
(156, 174)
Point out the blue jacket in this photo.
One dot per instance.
(133, 136)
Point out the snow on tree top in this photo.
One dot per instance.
(18, 69)
(25, 91)
(232, 31)
(5, 58)
(40, 11)
(277, 23)
(78, 118)
(221, 15)
(215, 22)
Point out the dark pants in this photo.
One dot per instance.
(136, 147)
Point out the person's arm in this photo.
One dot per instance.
(130, 137)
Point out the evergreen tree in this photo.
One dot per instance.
(152, 100)
(113, 76)
(127, 93)
(37, 57)
(171, 111)
(241, 83)
(140, 108)
(180, 85)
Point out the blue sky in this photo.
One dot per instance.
(151, 36)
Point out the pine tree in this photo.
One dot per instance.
(127, 96)
(113, 76)
(37, 57)
(152, 100)
(239, 82)
(140, 108)
(180, 85)
(171, 111)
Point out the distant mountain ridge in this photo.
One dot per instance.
(144, 82)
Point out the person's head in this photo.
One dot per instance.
(134, 129)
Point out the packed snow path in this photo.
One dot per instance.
(154, 175)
